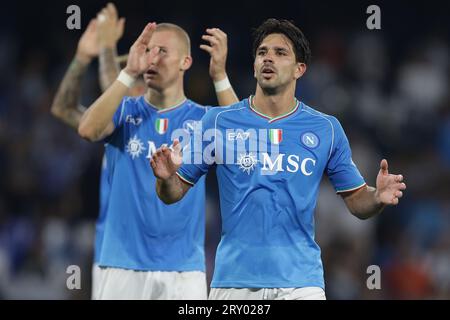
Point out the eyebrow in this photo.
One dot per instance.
(275, 48)
(160, 47)
(281, 49)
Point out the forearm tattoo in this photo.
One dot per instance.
(67, 98)
(109, 68)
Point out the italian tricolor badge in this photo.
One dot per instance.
(275, 136)
(161, 125)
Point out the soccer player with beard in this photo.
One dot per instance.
(267, 249)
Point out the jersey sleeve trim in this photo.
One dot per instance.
(121, 115)
(351, 189)
(185, 180)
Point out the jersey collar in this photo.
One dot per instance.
(271, 120)
(165, 110)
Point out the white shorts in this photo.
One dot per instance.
(95, 281)
(306, 293)
(121, 284)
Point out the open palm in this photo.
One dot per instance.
(110, 27)
(218, 49)
(389, 186)
(88, 45)
(139, 59)
(165, 161)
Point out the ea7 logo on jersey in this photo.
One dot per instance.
(136, 121)
(291, 163)
(238, 135)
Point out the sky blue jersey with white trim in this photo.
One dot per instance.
(141, 232)
(269, 172)
(103, 205)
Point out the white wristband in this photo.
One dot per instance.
(126, 79)
(222, 85)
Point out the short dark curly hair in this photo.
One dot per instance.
(290, 30)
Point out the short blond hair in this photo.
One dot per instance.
(181, 33)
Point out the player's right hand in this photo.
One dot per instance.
(87, 45)
(166, 161)
(139, 58)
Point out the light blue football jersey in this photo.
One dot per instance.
(103, 205)
(140, 231)
(268, 172)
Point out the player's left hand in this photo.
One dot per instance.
(218, 50)
(87, 45)
(389, 186)
(110, 27)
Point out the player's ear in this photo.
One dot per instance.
(300, 70)
(186, 63)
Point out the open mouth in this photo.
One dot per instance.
(151, 73)
(267, 71)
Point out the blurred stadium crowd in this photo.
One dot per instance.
(389, 88)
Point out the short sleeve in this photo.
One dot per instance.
(118, 115)
(117, 120)
(200, 154)
(341, 170)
